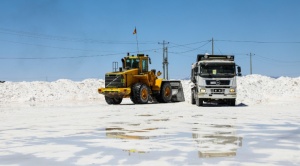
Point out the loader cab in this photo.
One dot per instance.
(141, 62)
(131, 63)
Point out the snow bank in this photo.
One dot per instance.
(252, 89)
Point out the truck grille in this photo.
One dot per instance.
(217, 82)
(114, 81)
(217, 91)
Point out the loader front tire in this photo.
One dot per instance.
(165, 95)
(110, 100)
(140, 93)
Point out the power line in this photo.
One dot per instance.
(70, 57)
(261, 42)
(185, 45)
(277, 60)
(63, 38)
(191, 49)
(40, 45)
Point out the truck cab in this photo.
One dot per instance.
(214, 79)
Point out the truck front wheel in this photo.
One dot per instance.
(193, 101)
(231, 102)
(199, 102)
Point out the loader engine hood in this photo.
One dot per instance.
(119, 79)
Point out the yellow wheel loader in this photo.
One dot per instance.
(133, 80)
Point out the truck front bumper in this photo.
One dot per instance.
(217, 93)
(115, 92)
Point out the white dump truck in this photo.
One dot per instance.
(214, 79)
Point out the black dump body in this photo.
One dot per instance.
(212, 57)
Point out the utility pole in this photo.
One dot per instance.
(167, 64)
(251, 62)
(212, 46)
(165, 60)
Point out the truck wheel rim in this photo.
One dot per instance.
(167, 92)
(144, 94)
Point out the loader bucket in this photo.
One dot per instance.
(177, 91)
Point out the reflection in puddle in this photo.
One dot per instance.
(215, 137)
(131, 151)
(216, 141)
(131, 137)
(121, 133)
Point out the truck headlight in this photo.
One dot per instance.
(202, 90)
(231, 90)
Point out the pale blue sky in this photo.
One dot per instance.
(78, 39)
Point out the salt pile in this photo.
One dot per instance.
(252, 89)
(61, 90)
(255, 89)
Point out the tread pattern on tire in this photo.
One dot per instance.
(136, 93)
(110, 100)
(193, 101)
(161, 97)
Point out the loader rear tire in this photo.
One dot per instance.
(165, 95)
(110, 100)
(140, 93)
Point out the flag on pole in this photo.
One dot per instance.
(136, 37)
(134, 31)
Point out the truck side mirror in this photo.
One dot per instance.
(193, 79)
(196, 69)
(239, 71)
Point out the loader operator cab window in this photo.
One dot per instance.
(145, 65)
(135, 63)
(132, 63)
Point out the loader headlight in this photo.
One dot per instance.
(202, 90)
(231, 90)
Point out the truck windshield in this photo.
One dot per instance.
(217, 70)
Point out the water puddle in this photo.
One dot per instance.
(216, 140)
(202, 136)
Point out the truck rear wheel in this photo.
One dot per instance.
(165, 95)
(110, 100)
(193, 101)
(140, 93)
